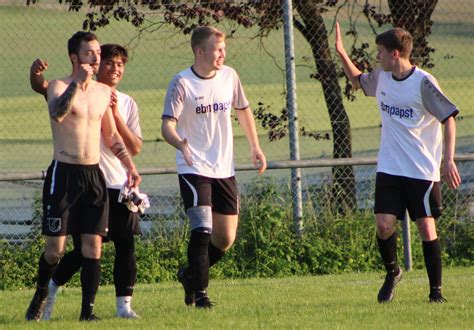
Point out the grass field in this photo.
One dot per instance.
(345, 301)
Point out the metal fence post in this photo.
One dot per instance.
(296, 190)
(407, 242)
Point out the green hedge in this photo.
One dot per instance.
(266, 245)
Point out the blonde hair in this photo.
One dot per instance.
(202, 33)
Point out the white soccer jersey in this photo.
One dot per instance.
(114, 172)
(202, 109)
(412, 110)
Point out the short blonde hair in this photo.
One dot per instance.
(202, 33)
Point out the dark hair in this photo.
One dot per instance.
(202, 33)
(109, 51)
(74, 43)
(396, 39)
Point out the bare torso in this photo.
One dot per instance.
(76, 138)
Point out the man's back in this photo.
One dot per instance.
(76, 137)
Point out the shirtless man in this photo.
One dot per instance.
(75, 195)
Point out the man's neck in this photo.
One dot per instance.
(402, 70)
(202, 71)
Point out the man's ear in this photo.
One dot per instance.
(73, 58)
(396, 54)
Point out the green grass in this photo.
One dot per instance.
(345, 301)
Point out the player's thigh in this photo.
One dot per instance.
(224, 229)
(123, 223)
(225, 196)
(389, 195)
(196, 190)
(423, 198)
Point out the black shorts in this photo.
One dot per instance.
(122, 222)
(221, 194)
(75, 200)
(395, 194)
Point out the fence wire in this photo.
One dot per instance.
(158, 52)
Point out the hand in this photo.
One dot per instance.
(450, 174)
(113, 102)
(86, 72)
(38, 66)
(134, 179)
(186, 152)
(259, 160)
(339, 46)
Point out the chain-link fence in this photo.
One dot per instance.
(160, 50)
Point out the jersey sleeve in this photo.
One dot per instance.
(239, 100)
(174, 99)
(435, 101)
(133, 120)
(368, 82)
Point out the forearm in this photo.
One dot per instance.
(38, 83)
(60, 107)
(168, 130)
(247, 122)
(120, 151)
(350, 69)
(132, 141)
(449, 139)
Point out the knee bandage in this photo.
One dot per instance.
(200, 219)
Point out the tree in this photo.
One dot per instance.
(414, 15)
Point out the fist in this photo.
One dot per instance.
(39, 66)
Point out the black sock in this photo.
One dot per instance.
(69, 264)
(90, 278)
(125, 267)
(388, 251)
(198, 260)
(214, 254)
(432, 255)
(45, 271)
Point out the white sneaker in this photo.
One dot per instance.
(127, 314)
(50, 301)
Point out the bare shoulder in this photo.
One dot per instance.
(100, 87)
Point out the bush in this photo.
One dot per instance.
(266, 245)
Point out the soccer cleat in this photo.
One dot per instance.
(203, 301)
(35, 310)
(127, 314)
(185, 280)
(437, 298)
(391, 281)
(89, 318)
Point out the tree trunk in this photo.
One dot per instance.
(415, 17)
(314, 31)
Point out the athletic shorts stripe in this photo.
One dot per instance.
(195, 194)
(53, 178)
(426, 200)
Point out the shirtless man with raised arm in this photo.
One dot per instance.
(75, 195)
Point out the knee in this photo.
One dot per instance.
(223, 243)
(52, 256)
(91, 250)
(427, 232)
(384, 230)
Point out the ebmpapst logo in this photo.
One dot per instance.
(395, 111)
(215, 107)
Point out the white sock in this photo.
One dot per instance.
(52, 288)
(124, 303)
